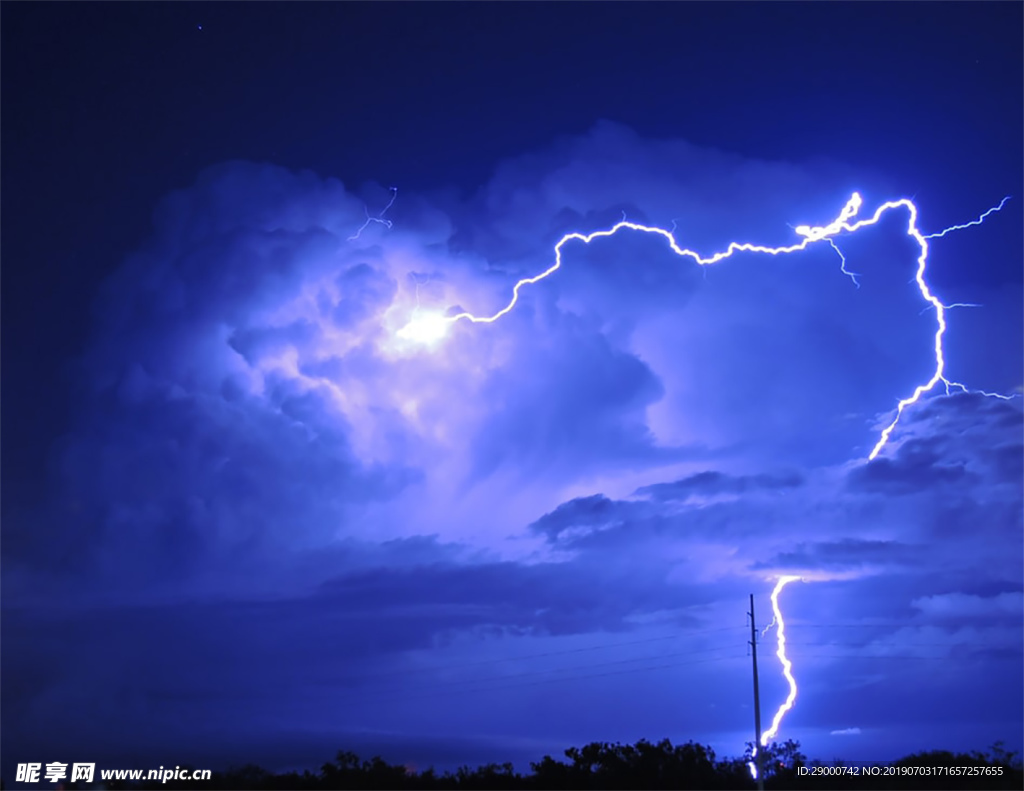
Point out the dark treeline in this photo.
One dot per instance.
(644, 765)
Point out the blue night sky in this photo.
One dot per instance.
(246, 519)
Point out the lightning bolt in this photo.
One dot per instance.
(430, 327)
(978, 221)
(787, 668)
(842, 266)
(378, 219)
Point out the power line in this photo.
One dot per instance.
(496, 660)
(944, 658)
(405, 672)
(487, 684)
(865, 645)
(563, 680)
(590, 666)
(893, 625)
(565, 675)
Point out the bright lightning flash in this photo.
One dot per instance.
(432, 327)
(787, 668)
(426, 328)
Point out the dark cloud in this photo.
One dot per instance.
(591, 413)
(969, 608)
(849, 553)
(364, 291)
(350, 642)
(916, 467)
(1007, 462)
(713, 482)
(546, 598)
(594, 512)
(957, 441)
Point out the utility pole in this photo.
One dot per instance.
(757, 700)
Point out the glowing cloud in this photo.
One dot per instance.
(426, 328)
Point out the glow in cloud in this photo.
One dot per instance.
(427, 329)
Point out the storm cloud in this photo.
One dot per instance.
(262, 471)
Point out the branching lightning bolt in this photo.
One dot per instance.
(842, 266)
(430, 327)
(978, 221)
(378, 219)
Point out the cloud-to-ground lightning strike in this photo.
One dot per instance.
(430, 327)
(787, 666)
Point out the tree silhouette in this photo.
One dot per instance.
(601, 765)
(644, 765)
(780, 761)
